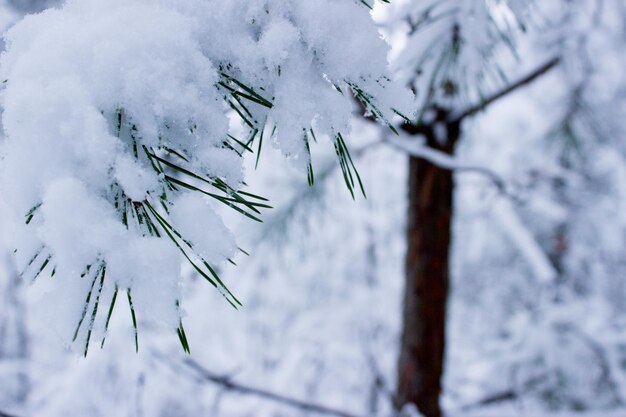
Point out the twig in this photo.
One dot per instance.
(4, 414)
(519, 233)
(442, 160)
(230, 385)
(506, 395)
(473, 109)
(227, 383)
(526, 242)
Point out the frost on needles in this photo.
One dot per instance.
(118, 145)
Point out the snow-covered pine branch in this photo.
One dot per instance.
(451, 48)
(122, 119)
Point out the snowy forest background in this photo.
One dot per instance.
(537, 315)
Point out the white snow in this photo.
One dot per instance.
(105, 100)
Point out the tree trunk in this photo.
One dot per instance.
(420, 366)
(430, 191)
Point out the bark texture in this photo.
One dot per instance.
(430, 190)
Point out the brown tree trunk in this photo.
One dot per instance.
(430, 191)
(422, 349)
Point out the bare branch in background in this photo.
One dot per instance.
(505, 395)
(473, 109)
(227, 383)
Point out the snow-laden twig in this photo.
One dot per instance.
(416, 147)
(505, 212)
(129, 167)
(526, 243)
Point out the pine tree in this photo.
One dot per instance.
(451, 60)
